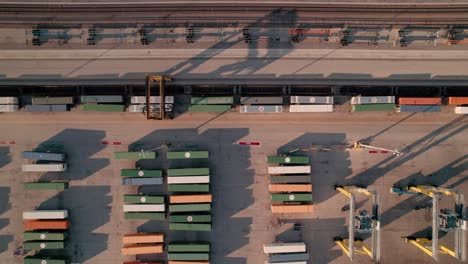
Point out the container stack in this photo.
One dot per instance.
(260, 105)
(188, 253)
(49, 104)
(372, 103)
(44, 161)
(211, 104)
(286, 253)
(290, 184)
(138, 244)
(138, 104)
(148, 207)
(419, 104)
(461, 104)
(103, 103)
(309, 104)
(9, 104)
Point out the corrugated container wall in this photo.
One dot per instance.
(311, 108)
(419, 108)
(9, 108)
(9, 100)
(311, 99)
(419, 101)
(259, 109)
(372, 100)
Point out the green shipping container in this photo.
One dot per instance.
(103, 107)
(145, 216)
(137, 155)
(190, 218)
(189, 187)
(187, 155)
(46, 185)
(204, 207)
(143, 199)
(141, 173)
(28, 236)
(29, 245)
(373, 107)
(215, 100)
(44, 260)
(291, 197)
(188, 172)
(210, 108)
(190, 227)
(288, 159)
(192, 247)
(189, 256)
(290, 179)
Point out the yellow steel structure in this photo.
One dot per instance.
(162, 92)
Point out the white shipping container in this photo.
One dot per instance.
(260, 109)
(310, 108)
(288, 169)
(373, 100)
(284, 248)
(188, 179)
(144, 207)
(9, 108)
(53, 167)
(311, 99)
(8, 100)
(461, 110)
(153, 99)
(45, 214)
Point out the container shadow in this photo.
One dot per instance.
(5, 156)
(5, 240)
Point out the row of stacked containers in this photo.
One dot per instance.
(295, 253)
(290, 184)
(406, 104)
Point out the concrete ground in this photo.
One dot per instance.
(435, 147)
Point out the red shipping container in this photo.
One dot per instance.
(47, 224)
(458, 100)
(419, 101)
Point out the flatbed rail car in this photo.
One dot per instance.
(357, 100)
(277, 170)
(153, 99)
(51, 167)
(45, 214)
(284, 248)
(35, 155)
(320, 100)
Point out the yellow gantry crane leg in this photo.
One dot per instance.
(162, 92)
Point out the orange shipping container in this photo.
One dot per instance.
(458, 100)
(142, 249)
(188, 262)
(143, 238)
(279, 188)
(47, 224)
(419, 101)
(203, 198)
(291, 208)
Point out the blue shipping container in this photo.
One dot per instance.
(419, 108)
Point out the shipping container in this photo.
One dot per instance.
(142, 181)
(154, 108)
(46, 100)
(372, 100)
(188, 172)
(188, 179)
(141, 173)
(290, 197)
(418, 108)
(46, 185)
(260, 109)
(458, 100)
(46, 108)
(142, 249)
(45, 214)
(291, 208)
(44, 260)
(9, 108)
(143, 238)
(136, 155)
(104, 107)
(291, 179)
(51, 236)
(188, 256)
(180, 208)
(210, 108)
(101, 99)
(153, 99)
(188, 262)
(189, 188)
(143, 199)
(288, 188)
(144, 262)
(288, 262)
(32, 155)
(288, 159)
(188, 247)
(419, 101)
(144, 216)
(205, 227)
(311, 108)
(461, 110)
(187, 155)
(328, 100)
(257, 100)
(144, 207)
(373, 107)
(288, 170)
(299, 247)
(289, 257)
(9, 100)
(33, 245)
(52, 167)
(190, 218)
(198, 198)
(215, 100)
(47, 224)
